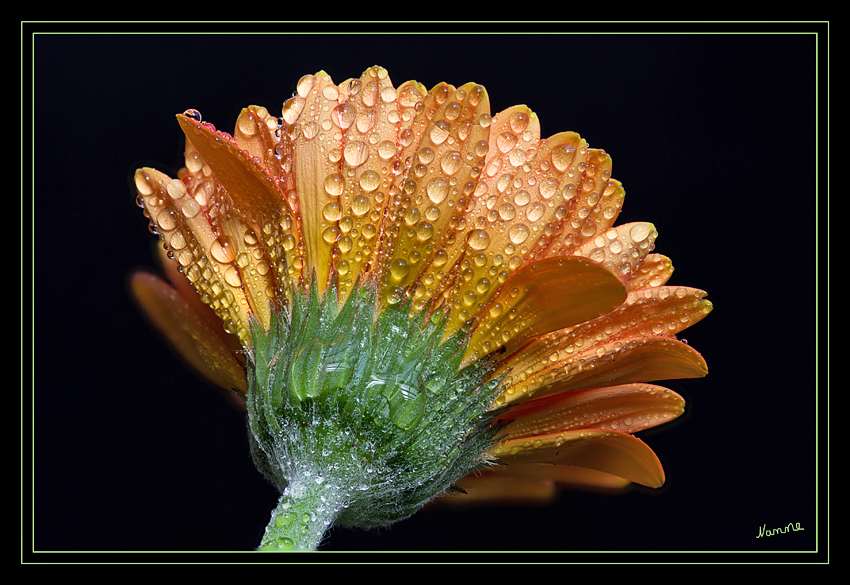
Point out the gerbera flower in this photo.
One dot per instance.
(414, 298)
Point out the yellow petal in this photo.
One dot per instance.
(548, 295)
(192, 336)
(428, 234)
(626, 409)
(615, 453)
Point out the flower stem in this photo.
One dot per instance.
(303, 514)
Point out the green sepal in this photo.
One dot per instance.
(371, 402)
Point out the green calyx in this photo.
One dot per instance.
(362, 418)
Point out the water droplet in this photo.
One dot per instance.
(334, 184)
(451, 162)
(478, 239)
(360, 205)
(535, 211)
(386, 149)
(304, 85)
(189, 207)
(563, 156)
(452, 110)
(332, 211)
(330, 92)
(424, 231)
(176, 189)
(356, 153)
(439, 132)
(370, 180)
(432, 213)
(506, 141)
(247, 125)
(231, 276)
(518, 121)
(399, 268)
(222, 250)
(639, 232)
(548, 187)
(194, 114)
(507, 212)
(437, 189)
(411, 216)
(343, 115)
(518, 233)
(165, 220)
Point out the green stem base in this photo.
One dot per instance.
(303, 514)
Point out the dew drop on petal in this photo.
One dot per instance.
(506, 141)
(370, 180)
(451, 162)
(332, 211)
(437, 189)
(518, 121)
(518, 233)
(563, 156)
(439, 132)
(478, 239)
(189, 207)
(176, 189)
(334, 184)
(222, 250)
(231, 276)
(356, 153)
(360, 205)
(639, 232)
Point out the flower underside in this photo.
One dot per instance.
(405, 287)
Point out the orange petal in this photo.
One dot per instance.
(620, 362)
(564, 475)
(593, 205)
(518, 204)
(647, 312)
(654, 271)
(622, 249)
(249, 220)
(545, 296)
(615, 453)
(626, 409)
(192, 336)
(491, 488)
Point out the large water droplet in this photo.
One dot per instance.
(439, 132)
(518, 233)
(370, 180)
(451, 162)
(334, 184)
(343, 115)
(222, 250)
(478, 239)
(437, 189)
(356, 153)
(360, 205)
(639, 232)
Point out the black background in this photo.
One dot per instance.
(713, 136)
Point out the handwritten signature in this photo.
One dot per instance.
(765, 531)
